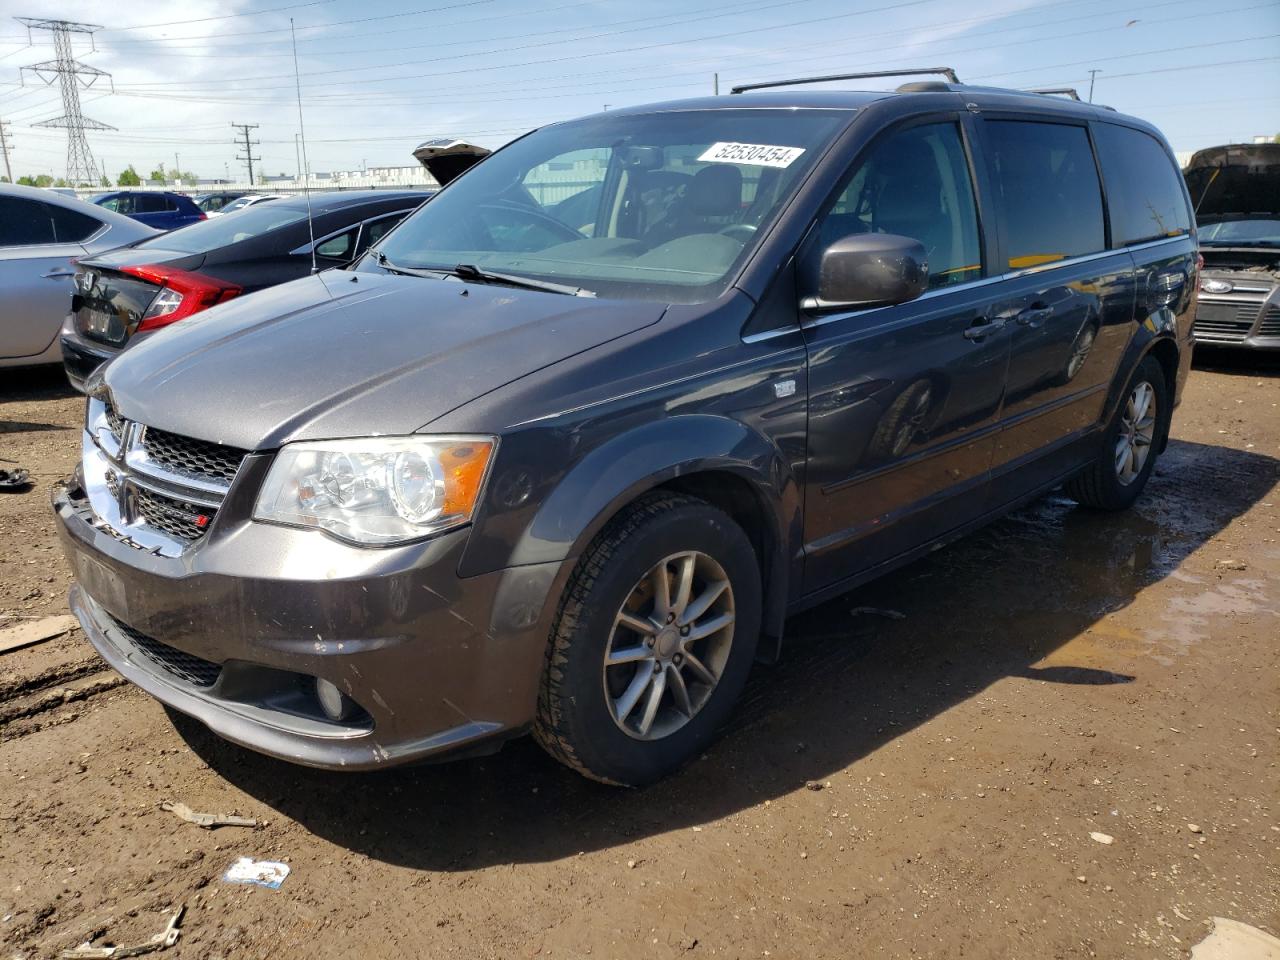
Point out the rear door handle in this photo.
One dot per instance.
(58, 274)
(1034, 316)
(984, 328)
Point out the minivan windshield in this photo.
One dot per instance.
(657, 206)
(211, 234)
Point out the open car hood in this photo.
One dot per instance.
(448, 159)
(1235, 180)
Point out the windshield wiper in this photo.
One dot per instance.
(385, 263)
(469, 271)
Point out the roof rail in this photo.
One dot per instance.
(947, 72)
(1069, 92)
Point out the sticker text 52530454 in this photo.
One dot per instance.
(759, 154)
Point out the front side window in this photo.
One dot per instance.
(914, 183)
(110, 203)
(24, 223)
(658, 206)
(1047, 187)
(1144, 188)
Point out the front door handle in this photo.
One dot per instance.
(58, 274)
(1034, 316)
(984, 328)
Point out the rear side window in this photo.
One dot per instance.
(914, 183)
(1144, 189)
(149, 203)
(1047, 186)
(72, 226)
(24, 222)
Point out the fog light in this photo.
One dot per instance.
(335, 704)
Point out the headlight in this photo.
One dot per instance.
(377, 491)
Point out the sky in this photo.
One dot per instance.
(379, 78)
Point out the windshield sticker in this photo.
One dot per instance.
(759, 154)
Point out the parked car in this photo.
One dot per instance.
(214, 202)
(41, 235)
(164, 211)
(247, 200)
(128, 294)
(512, 473)
(1236, 192)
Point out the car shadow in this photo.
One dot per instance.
(46, 382)
(857, 672)
(1236, 361)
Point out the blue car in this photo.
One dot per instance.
(159, 209)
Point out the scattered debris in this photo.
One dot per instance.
(1233, 940)
(1233, 564)
(1082, 879)
(262, 873)
(1194, 827)
(879, 612)
(1103, 838)
(15, 479)
(206, 820)
(814, 785)
(35, 631)
(163, 940)
(1179, 914)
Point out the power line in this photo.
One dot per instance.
(225, 16)
(248, 157)
(70, 74)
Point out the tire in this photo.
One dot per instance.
(583, 719)
(1104, 485)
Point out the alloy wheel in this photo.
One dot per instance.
(669, 646)
(1137, 433)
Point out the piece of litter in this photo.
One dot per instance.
(163, 940)
(1102, 837)
(1233, 940)
(35, 631)
(1179, 914)
(206, 820)
(263, 873)
(879, 612)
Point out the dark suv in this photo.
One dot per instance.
(517, 472)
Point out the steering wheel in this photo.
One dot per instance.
(739, 231)
(516, 212)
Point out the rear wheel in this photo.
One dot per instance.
(1129, 443)
(653, 642)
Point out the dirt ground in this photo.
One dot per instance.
(919, 781)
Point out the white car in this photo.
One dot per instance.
(243, 202)
(41, 235)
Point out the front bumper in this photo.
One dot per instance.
(437, 662)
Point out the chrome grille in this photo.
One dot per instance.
(1270, 326)
(156, 490)
(190, 456)
(1226, 321)
(115, 423)
(178, 518)
(184, 666)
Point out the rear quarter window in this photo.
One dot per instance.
(1144, 188)
(1047, 186)
(72, 226)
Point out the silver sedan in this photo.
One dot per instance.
(41, 233)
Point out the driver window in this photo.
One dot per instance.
(914, 183)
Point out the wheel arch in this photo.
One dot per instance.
(716, 459)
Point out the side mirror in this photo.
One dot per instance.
(866, 270)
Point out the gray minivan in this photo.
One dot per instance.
(566, 468)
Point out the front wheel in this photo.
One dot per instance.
(1129, 443)
(653, 641)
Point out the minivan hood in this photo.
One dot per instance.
(342, 354)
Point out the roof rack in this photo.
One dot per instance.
(947, 72)
(1069, 92)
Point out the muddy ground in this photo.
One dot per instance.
(915, 786)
